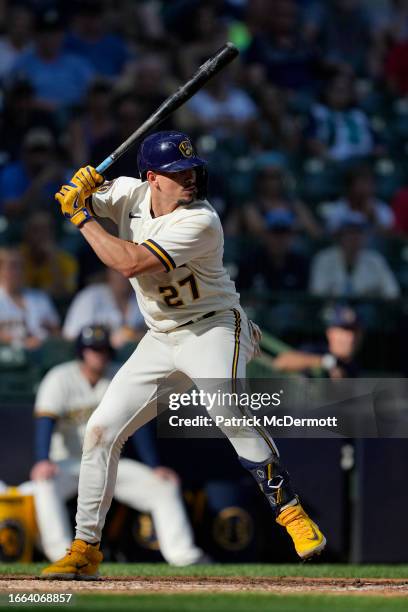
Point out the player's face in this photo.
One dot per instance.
(342, 342)
(177, 187)
(96, 360)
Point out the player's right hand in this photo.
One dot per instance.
(44, 470)
(72, 197)
(165, 473)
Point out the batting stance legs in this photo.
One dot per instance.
(216, 348)
(207, 349)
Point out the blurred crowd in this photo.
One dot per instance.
(306, 136)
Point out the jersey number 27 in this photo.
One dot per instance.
(171, 293)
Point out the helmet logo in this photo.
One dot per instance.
(186, 148)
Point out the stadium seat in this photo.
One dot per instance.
(12, 358)
(51, 353)
(319, 181)
(388, 178)
(19, 387)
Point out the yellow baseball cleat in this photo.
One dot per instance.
(306, 536)
(80, 563)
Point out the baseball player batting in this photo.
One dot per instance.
(65, 400)
(170, 246)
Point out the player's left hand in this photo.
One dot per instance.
(166, 473)
(44, 470)
(256, 336)
(72, 197)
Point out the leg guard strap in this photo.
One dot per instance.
(274, 482)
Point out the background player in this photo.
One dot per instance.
(66, 398)
(335, 355)
(170, 246)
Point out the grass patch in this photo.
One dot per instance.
(308, 570)
(242, 602)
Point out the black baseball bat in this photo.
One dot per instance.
(205, 72)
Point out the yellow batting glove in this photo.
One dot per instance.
(72, 197)
(87, 179)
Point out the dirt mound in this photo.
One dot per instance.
(206, 584)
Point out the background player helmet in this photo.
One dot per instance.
(95, 337)
(171, 151)
(342, 315)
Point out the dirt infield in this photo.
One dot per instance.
(211, 584)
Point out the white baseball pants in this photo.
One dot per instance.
(217, 347)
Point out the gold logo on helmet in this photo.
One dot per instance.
(186, 148)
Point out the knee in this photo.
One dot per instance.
(102, 435)
(164, 489)
(97, 436)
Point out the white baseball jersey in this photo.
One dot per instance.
(188, 241)
(67, 395)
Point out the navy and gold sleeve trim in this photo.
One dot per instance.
(156, 249)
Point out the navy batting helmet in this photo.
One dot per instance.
(95, 337)
(171, 151)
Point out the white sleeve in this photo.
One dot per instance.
(385, 215)
(50, 398)
(48, 311)
(388, 283)
(80, 313)
(110, 198)
(187, 239)
(319, 274)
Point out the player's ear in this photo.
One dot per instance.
(151, 177)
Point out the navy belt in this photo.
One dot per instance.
(206, 316)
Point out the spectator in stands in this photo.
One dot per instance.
(17, 38)
(27, 316)
(396, 69)
(335, 356)
(221, 108)
(389, 26)
(20, 114)
(128, 116)
(31, 182)
(142, 23)
(277, 52)
(273, 193)
(108, 53)
(113, 304)
(60, 79)
(204, 32)
(150, 80)
(359, 197)
(348, 269)
(275, 128)
(393, 19)
(400, 210)
(343, 31)
(46, 266)
(91, 123)
(276, 266)
(337, 129)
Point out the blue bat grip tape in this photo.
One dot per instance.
(105, 164)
